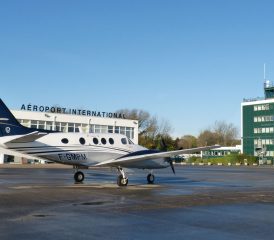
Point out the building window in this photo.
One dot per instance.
(25, 123)
(92, 128)
(117, 129)
(97, 129)
(70, 127)
(123, 130)
(34, 124)
(129, 132)
(77, 127)
(110, 129)
(41, 124)
(48, 126)
(84, 128)
(64, 127)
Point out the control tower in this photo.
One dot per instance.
(268, 89)
(257, 117)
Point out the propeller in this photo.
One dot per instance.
(164, 147)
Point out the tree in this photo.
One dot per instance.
(150, 128)
(227, 133)
(187, 141)
(207, 138)
(221, 133)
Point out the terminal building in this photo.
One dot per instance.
(257, 125)
(220, 152)
(72, 120)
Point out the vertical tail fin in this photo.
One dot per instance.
(8, 124)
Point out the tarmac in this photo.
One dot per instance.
(199, 202)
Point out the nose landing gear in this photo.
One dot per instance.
(122, 180)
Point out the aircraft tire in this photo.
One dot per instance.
(122, 182)
(79, 177)
(150, 178)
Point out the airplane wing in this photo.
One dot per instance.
(137, 158)
(30, 137)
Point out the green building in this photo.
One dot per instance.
(257, 124)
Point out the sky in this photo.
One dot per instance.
(188, 62)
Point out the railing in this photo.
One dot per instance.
(253, 99)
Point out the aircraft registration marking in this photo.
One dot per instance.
(72, 157)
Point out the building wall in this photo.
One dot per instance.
(258, 127)
(76, 123)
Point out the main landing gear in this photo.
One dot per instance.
(150, 178)
(122, 180)
(78, 176)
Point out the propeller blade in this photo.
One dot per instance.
(172, 166)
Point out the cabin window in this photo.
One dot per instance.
(124, 140)
(103, 141)
(82, 141)
(65, 140)
(95, 141)
(111, 141)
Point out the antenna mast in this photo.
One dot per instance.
(264, 72)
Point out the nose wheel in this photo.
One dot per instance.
(122, 180)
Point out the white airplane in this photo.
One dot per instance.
(82, 150)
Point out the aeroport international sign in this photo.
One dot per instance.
(71, 111)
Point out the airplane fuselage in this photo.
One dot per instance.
(82, 149)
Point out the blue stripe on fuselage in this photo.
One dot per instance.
(142, 152)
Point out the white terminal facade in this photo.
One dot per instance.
(73, 120)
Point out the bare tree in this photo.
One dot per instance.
(151, 129)
(221, 133)
(148, 125)
(227, 133)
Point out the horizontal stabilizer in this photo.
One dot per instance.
(30, 137)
